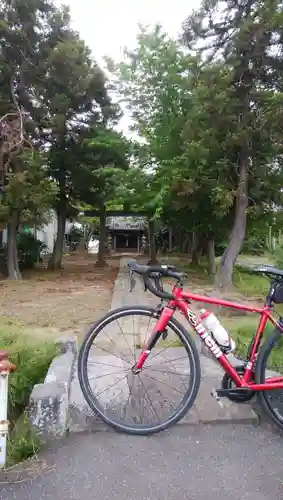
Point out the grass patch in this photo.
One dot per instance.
(32, 359)
(23, 442)
(242, 331)
(244, 280)
(196, 275)
(163, 344)
(249, 283)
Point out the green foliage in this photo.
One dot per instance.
(154, 81)
(249, 283)
(29, 252)
(102, 158)
(73, 237)
(75, 233)
(254, 246)
(277, 255)
(239, 95)
(27, 190)
(29, 249)
(210, 121)
(59, 95)
(23, 442)
(32, 359)
(242, 331)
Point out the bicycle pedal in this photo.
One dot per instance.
(215, 395)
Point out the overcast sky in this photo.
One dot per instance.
(108, 26)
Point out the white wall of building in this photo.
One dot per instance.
(47, 232)
(4, 237)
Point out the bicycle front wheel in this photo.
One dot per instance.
(270, 365)
(158, 396)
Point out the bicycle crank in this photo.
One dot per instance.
(238, 395)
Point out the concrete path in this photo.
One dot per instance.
(187, 463)
(106, 370)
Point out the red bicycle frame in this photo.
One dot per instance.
(180, 302)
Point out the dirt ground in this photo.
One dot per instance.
(53, 303)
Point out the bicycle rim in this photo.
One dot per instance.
(270, 364)
(156, 398)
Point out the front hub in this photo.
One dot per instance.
(135, 370)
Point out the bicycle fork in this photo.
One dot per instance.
(158, 330)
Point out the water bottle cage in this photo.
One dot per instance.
(224, 348)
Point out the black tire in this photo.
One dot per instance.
(260, 376)
(188, 343)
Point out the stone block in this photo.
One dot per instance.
(67, 344)
(48, 409)
(49, 402)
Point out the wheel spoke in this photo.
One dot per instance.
(145, 402)
(270, 370)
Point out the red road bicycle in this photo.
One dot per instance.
(138, 387)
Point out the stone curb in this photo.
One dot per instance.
(49, 402)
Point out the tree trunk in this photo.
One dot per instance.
(16, 258)
(195, 258)
(237, 236)
(189, 246)
(197, 249)
(87, 235)
(56, 258)
(186, 244)
(170, 239)
(12, 253)
(211, 256)
(152, 242)
(102, 237)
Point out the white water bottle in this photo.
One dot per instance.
(220, 334)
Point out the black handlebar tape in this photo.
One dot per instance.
(155, 291)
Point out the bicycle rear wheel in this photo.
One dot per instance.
(270, 364)
(134, 403)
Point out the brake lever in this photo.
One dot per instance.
(132, 280)
(158, 284)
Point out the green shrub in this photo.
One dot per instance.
(253, 246)
(242, 331)
(73, 237)
(23, 442)
(220, 248)
(29, 250)
(32, 359)
(250, 283)
(277, 256)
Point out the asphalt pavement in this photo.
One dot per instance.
(188, 462)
